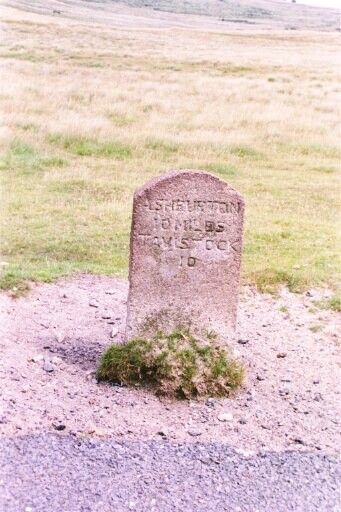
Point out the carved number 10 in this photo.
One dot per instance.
(187, 261)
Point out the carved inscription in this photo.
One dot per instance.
(186, 205)
(181, 225)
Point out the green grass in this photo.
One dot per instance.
(82, 146)
(162, 147)
(80, 141)
(17, 285)
(175, 365)
(334, 303)
(21, 155)
(245, 152)
(78, 218)
(221, 169)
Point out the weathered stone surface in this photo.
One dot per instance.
(185, 255)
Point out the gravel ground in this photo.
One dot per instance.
(50, 472)
(121, 449)
(51, 342)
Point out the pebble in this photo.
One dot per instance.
(242, 341)
(114, 332)
(245, 453)
(284, 391)
(90, 375)
(48, 367)
(110, 292)
(60, 337)
(298, 440)
(281, 355)
(251, 395)
(260, 376)
(106, 316)
(163, 432)
(59, 427)
(210, 402)
(93, 303)
(243, 421)
(225, 416)
(194, 432)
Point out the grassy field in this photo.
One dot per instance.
(91, 111)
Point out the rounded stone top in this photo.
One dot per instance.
(186, 177)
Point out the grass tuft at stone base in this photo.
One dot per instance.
(176, 365)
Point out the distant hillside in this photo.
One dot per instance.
(280, 13)
(219, 15)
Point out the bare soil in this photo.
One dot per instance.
(290, 399)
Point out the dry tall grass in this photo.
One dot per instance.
(92, 110)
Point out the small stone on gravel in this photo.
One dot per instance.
(59, 427)
(242, 341)
(110, 292)
(210, 402)
(281, 355)
(194, 432)
(106, 316)
(48, 367)
(60, 337)
(284, 391)
(251, 395)
(114, 332)
(225, 416)
(93, 303)
(298, 440)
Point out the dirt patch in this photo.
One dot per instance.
(51, 343)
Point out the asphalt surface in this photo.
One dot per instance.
(54, 472)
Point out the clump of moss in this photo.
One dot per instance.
(176, 365)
